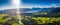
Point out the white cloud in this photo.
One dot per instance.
(40, 6)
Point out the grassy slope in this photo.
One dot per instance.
(4, 20)
(1, 16)
(42, 20)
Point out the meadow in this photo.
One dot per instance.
(28, 20)
(41, 21)
(6, 20)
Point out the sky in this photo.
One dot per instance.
(40, 3)
(8, 4)
(4, 2)
(31, 3)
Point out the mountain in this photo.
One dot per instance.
(52, 12)
(30, 11)
(3, 11)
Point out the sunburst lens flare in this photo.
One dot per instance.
(16, 4)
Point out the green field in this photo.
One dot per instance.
(29, 20)
(4, 20)
(41, 21)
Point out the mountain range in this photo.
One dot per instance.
(30, 11)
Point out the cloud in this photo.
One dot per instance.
(40, 6)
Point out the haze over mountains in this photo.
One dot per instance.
(29, 11)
